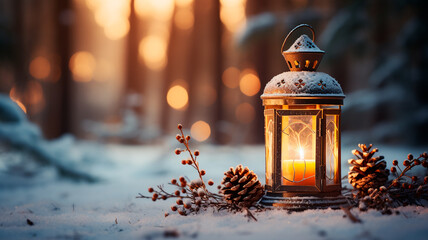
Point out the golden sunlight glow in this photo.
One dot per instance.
(82, 65)
(200, 131)
(230, 77)
(245, 113)
(249, 83)
(21, 105)
(112, 16)
(152, 49)
(40, 67)
(33, 96)
(13, 95)
(177, 97)
(184, 19)
(232, 13)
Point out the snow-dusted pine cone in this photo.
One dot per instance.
(367, 171)
(241, 186)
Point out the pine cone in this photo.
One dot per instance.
(367, 171)
(240, 186)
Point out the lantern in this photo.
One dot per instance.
(302, 132)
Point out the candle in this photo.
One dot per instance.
(298, 172)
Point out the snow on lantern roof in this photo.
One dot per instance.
(302, 84)
(304, 44)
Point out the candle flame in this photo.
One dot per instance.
(302, 153)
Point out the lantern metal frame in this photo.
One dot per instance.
(321, 194)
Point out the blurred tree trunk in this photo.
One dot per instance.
(64, 84)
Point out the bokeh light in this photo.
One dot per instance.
(183, 3)
(232, 13)
(249, 83)
(177, 97)
(40, 67)
(117, 29)
(184, 18)
(152, 49)
(200, 131)
(82, 65)
(230, 77)
(112, 16)
(160, 10)
(34, 94)
(245, 113)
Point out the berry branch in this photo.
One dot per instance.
(369, 176)
(236, 194)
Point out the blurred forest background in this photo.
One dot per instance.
(129, 70)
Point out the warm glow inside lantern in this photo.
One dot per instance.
(302, 130)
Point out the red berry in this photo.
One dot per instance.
(177, 151)
(179, 201)
(189, 162)
(210, 182)
(174, 181)
(425, 155)
(181, 140)
(151, 190)
(177, 193)
(203, 172)
(174, 208)
(414, 178)
(395, 183)
(164, 197)
(196, 153)
(183, 184)
(395, 163)
(393, 169)
(155, 195)
(187, 137)
(166, 214)
(417, 162)
(410, 156)
(178, 137)
(183, 190)
(179, 126)
(411, 186)
(183, 162)
(424, 163)
(182, 212)
(182, 179)
(406, 163)
(405, 185)
(426, 180)
(153, 199)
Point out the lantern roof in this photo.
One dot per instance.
(304, 44)
(302, 84)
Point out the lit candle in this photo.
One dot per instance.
(298, 172)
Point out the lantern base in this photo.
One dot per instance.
(300, 203)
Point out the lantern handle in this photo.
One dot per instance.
(294, 29)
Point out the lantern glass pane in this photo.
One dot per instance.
(298, 153)
(269, 131)
(332, 150)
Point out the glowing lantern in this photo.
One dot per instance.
(302, 130)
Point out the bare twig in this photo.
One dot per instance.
(351, 216)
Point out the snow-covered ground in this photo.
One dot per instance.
(108, 209)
